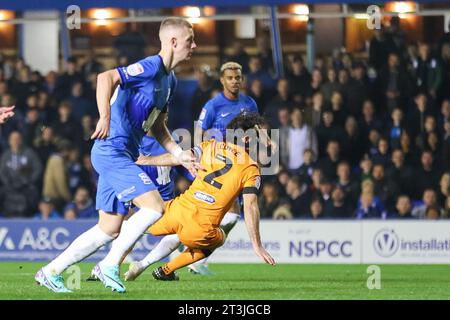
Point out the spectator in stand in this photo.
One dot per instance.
(352, 142)
(239, 55)
(284, 129)
(329, 163)
(394, 84)
(316, 178)
(395, 128)
(369, 120)
(372, 145)
(403, 208)
(299, 78)
(82, 205)
(444, 116)
(270, 200)
(265, 53)
(45, 144)
(282, 98)
(338, 108)
(56, 181)
(315, 84)
(80, 105)
(299, 197)
(444, 189)
(47, 210)
(313, 113)
(301, 137)
(203, 91)
(366, 169)
(338, 207)
(331, 85)
(427, 72)
(306, 169)
(20, 171)
(382, 155)
(433, 213)
(328, 130)
(258, 94)
(316, 209)
(346, 182)
(426, 176)
(429, 200)
(66, 80)
(324, 192)
(379, 49)
(91, 179)
(256, 71)
(66, 127)
(444, 90)
(401, 173)
(369, 207)
(31, 127)
(446, 147)
(447, 208)
(130, 44)
(91, 65)
(357, 89)
(408, 149)
(282, 179)
(384, 188)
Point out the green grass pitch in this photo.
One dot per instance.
(247, 281)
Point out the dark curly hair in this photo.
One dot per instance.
(247, 120)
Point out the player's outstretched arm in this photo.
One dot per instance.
(106, 85)
(163, 160)
(186, 158)
(6, 113)
(251, 216)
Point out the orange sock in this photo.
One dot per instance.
(184, 259)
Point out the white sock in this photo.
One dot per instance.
(131, 232)
(82, 247)
(228, 222)
(165, 247)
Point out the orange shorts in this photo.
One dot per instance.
(177, 219)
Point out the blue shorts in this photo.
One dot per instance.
(120, 179)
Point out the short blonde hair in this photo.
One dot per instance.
(230, 66)
(174, 22)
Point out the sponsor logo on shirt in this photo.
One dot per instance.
(126, 192)
(202, 114)
(145, 178)
(135, 69)
(223, 115)
(204, 197)
(258, 183)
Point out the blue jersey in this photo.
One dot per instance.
(162, 177)
(145, 91)
(220, 111)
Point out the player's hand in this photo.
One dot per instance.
(6, 113)
(190, 162)
(142, 160)
(102, 129)
(264, 255)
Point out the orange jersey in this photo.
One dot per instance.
(229, 171)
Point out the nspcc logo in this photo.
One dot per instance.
(386, 243)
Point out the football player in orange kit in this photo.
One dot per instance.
(194, 217)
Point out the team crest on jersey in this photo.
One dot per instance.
(202, 114)
(135, 69)
(145, 178)
(204, 197)
(258, 183)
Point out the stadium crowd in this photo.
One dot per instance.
(358, 138)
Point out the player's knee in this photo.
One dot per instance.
(151, 200)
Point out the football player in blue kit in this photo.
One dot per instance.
(213, 120)
(131, 100)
